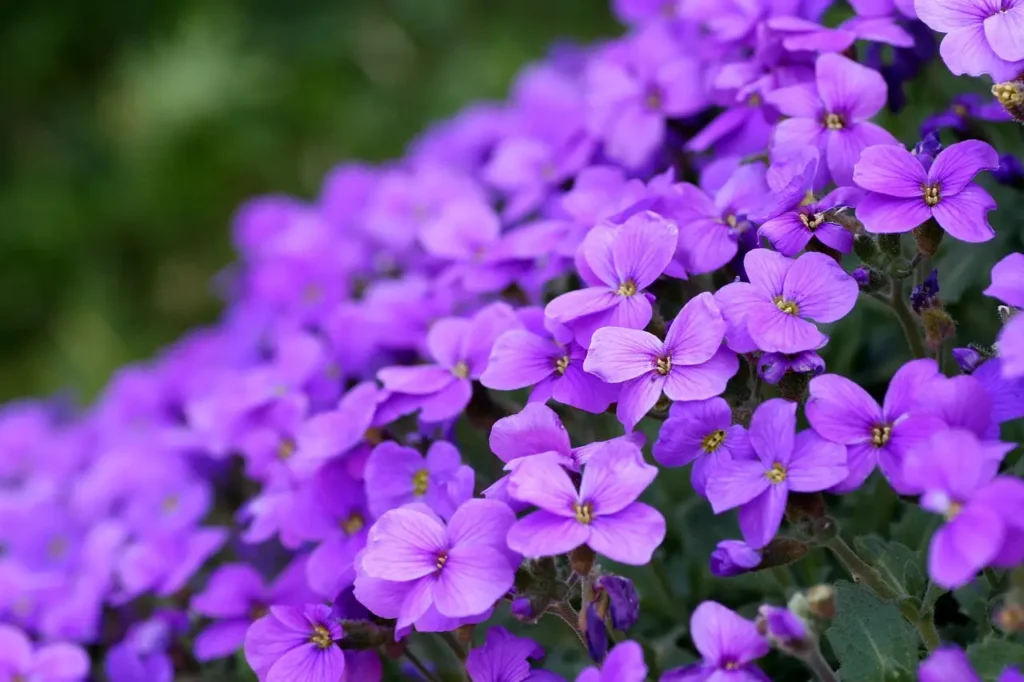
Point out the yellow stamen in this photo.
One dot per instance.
(834, 122)
(880, 435)
(353, 524)
(931, 194)
(419, 482)
(814, 221)
(788, 307)
(321, 637)
(777, 474)
(286, 448)
(731, 220)
(584, 512)
(562, 364)
(713, 441)
(954, 510)
(442, 559)
(664, 365)
(461, 370)
(170, 504)
(627, 288)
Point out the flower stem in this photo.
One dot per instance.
(906, 319)
(820, 667)
(420, 667)
(568, 614)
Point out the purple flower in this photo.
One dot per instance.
(460, 348)
(503, 658)
(603, 514)
(49, 663)
(903, 195)
(709, 221)
(983, 37)
(691, 364)
(235, 596)
(334, 433)
(619, 264)
(983, 525)
(1008, 286)
(729, 645)
(331, 566)
(142, 656)
(534, 357)
(773, 366)
(964, 109)
(967, 359)
(701, 432)
(733, 557)
(625, 663)
(295, 643)
(397, 475)
(164, 563)
(792, 231)
(623, 600)
(804, 463)
(768, 313)
(783, 625)
(461, 569)
(832, 114)
(948, 663)
(841, 411)
(633, 87)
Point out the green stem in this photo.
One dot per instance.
(422, 669)
(459, 652)
(568, 614)
(820, 667)
(906, 319)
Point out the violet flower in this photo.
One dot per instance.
(334, 433)
(48, 663)
(773, 366)
(1008, 286)
(691, 364)
(832, 114)
(948, 663)
(733, 557)
(842, 412)
(768, 312)
(603, 514)
(729, 645)
(143, 656)
(982, 37)
(902, 194)
(620, 263)
(331, 566)
(460, 348)
(792, 231)
(293, 642)
(504, 657)
(701, 432)
(461, 569)
(802, 463)
(625, 663)
(397, 475)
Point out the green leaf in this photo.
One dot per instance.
(914, 527)
(973, 600)
(899, 565)
(870, 637)
(991, 656)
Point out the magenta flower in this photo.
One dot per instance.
(295, 643)
(832, 114)
(19, 660)
(948, 663)
(791, 231)
(983, 36)
(842, 412)
(1008, 286)
(625, 663)
(804, 463)
(768, 312)
(460, 348)
(903, 195)
(461, 569)
(701, 432)
(691, 364)
(619, 263)
(603, 514)
(728, 643)
(334, 433)
(397, 475)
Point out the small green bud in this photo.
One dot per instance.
(866, 248)
(870, 279)
(890, 244)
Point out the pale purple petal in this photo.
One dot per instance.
(772, 431)
(848, 88)
(817, 464)
(883, 214)
(736, 302)
(964, 215)
(417, 602)
(404, 545)
(957, 164)
(705, 246)
(447, 403)
(581, 302)
(836, 236)
(581, 390)
(964, 546)
(60, 663)
(614, 478)
(736, 483)
(308, 662)
(16, 647)
(779, 332)
(625, 664)
(629, 536)
(696, 333)
(845, 147)
(533, 430)
(382, 597)
(634, 136)
(966, 51)
(860, 462)
(795, 133)
(1005, 33)
(787, 233)
(948, 663)
(1011, 344)
(519, 359)
(542, 482)
(446, 338)
(949, 15)
(637, 397)
(618, 354)
(220, 639)
(820, 287)
(840, 410)
(480, 522)
(1008, 280)
(767, 270)
(473, 578)
(722, 635)
(545, 534)
(761, 518)
(417, 379)
(799, 101)
(643, 248)
(706, 380)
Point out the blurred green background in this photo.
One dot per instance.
(129, 132)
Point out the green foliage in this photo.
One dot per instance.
(900, 566)
(870, 638)
(991, 656)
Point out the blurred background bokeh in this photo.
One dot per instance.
(129, 132)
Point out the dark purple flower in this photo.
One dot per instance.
(331, 566)
(734, 557)
(792, 231)
(773, 366)
(967, 359)
(965, 109)
(691, 364)
(925, 294)
(927, 149)
(623, 600)
(596, 633)
(295, 643)
(1010, 171)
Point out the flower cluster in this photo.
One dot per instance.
(659, 228)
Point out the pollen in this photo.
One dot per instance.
(731, 220)
(953, 510)
(834, 122)
(562, 364)
(321, 637)
(663, 365)
(880, 435)
(461, 370)
(777, 474)
(170, 504)
(713, 441)
(286, 448)
(812, 222)
(788, 307)
(627, 288)
(584, 512)
(419, 482)
(731, 665)
(353, 524)
(654, 99)
(931, 194)
(1008, 94)
(442, 559)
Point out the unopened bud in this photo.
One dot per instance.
(784, 629)
(928, 237)
(926, 294)
(793, 386)
(734, 557)
(870, 279)
(363, 634)
(889, 244)
(623, 601)
(938, 326)
(967, 359)
(866, 248)
(802, 507)
(1011, 95)
(582, 560)
(782, 552)
(522, 610)
(821, 602)
(597, 633)
(1010, 618)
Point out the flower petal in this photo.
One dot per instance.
(965, 215)
(542, 482)
(721, 635)
(614, 477)
(798, 101)
(618, 354)
(696, 333)
(779, 332)
(820, 287)
(736, 301)
(519, 359)
(890, 169)
(761, 518)
(840, 410)
(787, 233)
(882, 214)
(767, 270)
(736, 483)
(1008, 280)
(1005, 33)
(772, 431)
(949, 15)
(473, 578)
(535, 429)
(706, 380)
(817, 464)
(643, 248)
(629, 536)
(416, 380)
(849, 88)
(957, 164)
(574, 304)
(404, 545)
(544, 534)
(637, 397)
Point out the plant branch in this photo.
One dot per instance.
(820, 667)
(906, 319)
(567, 613)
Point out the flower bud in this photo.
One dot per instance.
(784, 629)
(793, 386)
(1006, 313)
(821, 602)
(890, 245)
(782, 552)
(734, 557)
(938, 326)
(928, 237)
(926, 294)
(623, 601)
(1011, 95)
(927, 149)
(968, 359)
(773, 366)
(522, 610)
(364, 634)
(1010, 171)
(582, 560)
(866, 248)
(1010, 618)
(870, 279)
(597, 633)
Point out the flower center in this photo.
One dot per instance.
(880, 435)
(584, 512)
(953, 510)
(258, 611)
(754, 100)
(960, 110)
(931, 194)
(442, 559)
(653, 99)
(731, 665)
(788, 307)
(461, 370)
(627, 288)
(562, 364)
(321, 637)
(170, 504)
(777, 474)
(419, 482)
(1008, 94)
(811, 222)
(354, 523)
(713, 441)
(663, 365)
(57, 548)
(286, 448)
(834, 122)
(731, 220)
